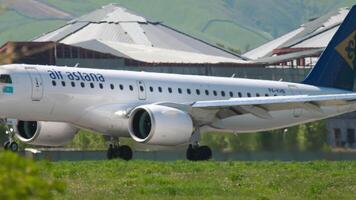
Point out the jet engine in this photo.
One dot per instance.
(160, 125)
(45, 133)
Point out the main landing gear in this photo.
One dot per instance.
(10, 144)
(195, 152)
(198, 153)
(116, 151)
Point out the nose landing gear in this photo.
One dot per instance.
(10, 144)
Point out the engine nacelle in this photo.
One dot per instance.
(160, 125)
(45, 133)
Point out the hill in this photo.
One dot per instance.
(238, 24)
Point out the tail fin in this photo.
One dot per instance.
(336, 66)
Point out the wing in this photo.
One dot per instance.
(209, 111)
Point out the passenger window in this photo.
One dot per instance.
(160, 89)
(179, 91)
(248, 94)
(82, 84)
(231, 94)
(73, 84)
(188, 91)
(131, 87)
(240, 94)
(5, 78)
(257, 95)
(121, 87)
(207, 92)
(151, 89)
(54, 83)
(112, 86)
(198, 91)
(92, 85)
(215, 93)
(267, 95)
(222, 93)
(170, 90)
(142, 88)
(63, 83)
(101, 86)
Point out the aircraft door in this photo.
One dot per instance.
(37, 83)
(141, 90)
(297, 112)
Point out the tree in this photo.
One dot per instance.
(86, 140)
(305, 137)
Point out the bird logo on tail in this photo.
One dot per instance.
(347, 50)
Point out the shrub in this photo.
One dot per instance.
(21, 178)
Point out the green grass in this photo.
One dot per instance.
(15, 27)
(206, 180)
(32, 29)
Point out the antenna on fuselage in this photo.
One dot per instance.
(76, 65)
(233, 75)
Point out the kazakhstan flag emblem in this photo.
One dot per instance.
(8, 90)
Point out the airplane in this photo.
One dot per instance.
(50, 103)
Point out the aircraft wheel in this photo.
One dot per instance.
(205, 153)
(110, 154)
(125, 152)
(116, 151)
(191, 153)
(6, 145)
(198, 153)
(14, 147)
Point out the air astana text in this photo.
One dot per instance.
(76, 76)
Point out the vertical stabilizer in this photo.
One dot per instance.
(336, 66)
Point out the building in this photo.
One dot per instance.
(113, 37)
(306, 44)
(341, 131)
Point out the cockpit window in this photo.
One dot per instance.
(5, 78)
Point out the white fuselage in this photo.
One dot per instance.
(64, 94)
